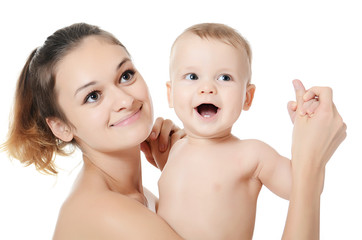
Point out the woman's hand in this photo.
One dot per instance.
(315, 138)
(318, 135)
(307, 108)
(157, 146)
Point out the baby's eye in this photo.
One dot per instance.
(224, 77)
(92, 97)
(127, 76)
(191, 76)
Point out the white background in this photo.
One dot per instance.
(319, 42)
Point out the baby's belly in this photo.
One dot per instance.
(219, 213)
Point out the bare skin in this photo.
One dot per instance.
(214, 186)
(98, 202)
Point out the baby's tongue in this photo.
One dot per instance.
(207, 110)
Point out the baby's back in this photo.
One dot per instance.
(208, 191)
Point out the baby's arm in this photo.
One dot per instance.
(274, 170)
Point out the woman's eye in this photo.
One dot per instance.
(192, 76)
(127, 76)
(224, 77)
(92, 97)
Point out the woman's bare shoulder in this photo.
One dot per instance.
(109, 215)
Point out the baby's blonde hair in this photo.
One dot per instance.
(220, 32)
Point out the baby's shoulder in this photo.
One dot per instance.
(179, 148)
(251, 149)
(252, 144)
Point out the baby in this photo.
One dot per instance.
(210, 184)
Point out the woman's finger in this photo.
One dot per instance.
(156, 129)
(145, 148)
(312, 107)
(166, 131)
(323, 94)
(177, 135)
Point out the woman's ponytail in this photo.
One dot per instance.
(26, 141)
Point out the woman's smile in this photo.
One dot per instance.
(128, 119)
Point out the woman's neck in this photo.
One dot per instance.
(121, 171)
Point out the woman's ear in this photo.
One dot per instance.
(169, 94)
(249, 96)
(60, 129)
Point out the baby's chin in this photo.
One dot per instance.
(207, 134)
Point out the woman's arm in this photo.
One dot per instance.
(315, 138)
(132, 220)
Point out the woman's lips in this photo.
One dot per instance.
(128, 119)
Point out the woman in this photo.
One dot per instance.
(80, 88)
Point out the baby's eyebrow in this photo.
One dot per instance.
(190, 68)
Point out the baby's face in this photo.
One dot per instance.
(209, 85)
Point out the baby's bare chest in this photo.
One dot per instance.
(229, 163)
(218, 182)
(211, 170)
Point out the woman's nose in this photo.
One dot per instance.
(121, 100)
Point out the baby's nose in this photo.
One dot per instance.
(207, 89)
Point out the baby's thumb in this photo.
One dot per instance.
(299, 93)
(292, 107)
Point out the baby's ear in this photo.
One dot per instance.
(169, 94)
(60, 129)
(249, 96)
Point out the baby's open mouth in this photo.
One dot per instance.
(207, 110)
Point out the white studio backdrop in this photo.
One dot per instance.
(318, 42)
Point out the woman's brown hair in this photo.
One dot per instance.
(30, 140)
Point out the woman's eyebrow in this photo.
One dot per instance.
(84, 86)
(123, 62)
(94, 82)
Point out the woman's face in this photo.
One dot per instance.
(103, 97)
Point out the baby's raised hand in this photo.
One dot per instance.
(310, 104)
